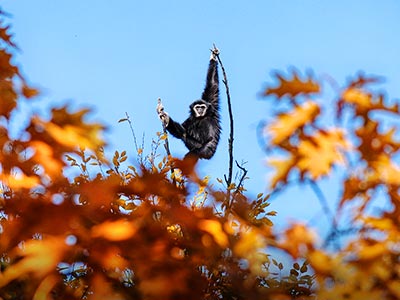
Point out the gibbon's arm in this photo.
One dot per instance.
(178, 131)
(211, 90)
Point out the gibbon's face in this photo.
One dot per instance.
(199, 109)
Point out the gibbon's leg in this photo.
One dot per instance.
(207, 150)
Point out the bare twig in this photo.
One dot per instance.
(128, 119)
(322, 200)
(244, 174)
(132, 131)
(334, 231)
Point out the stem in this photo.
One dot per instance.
(228, 179)
(166, 146)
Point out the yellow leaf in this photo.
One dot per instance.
(370, 252)
(394, 288)
(115, 230)
(214, 228)
(321, 152)
(70, 130)
(383, 224)
(75, 136)
(286, 124)
(20, 181)
(358, 97)
(46, 287)
(40, 257)
(44, 155)
(321, 262)
(249, 243)
(293, 87)
(282, 168)
(298, 239)
(386, 170)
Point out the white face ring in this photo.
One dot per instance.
(200, 110)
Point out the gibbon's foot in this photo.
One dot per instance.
(214, 53)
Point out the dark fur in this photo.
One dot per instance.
(201, 134)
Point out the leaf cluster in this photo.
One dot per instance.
(362, 140)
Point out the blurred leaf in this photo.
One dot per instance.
(28, 92)
(282, 169)
(285, 125)
(70, 130)
(214, 228)
(39, 257)
(20, 181)
(321, 152)
(115, 230)
(293, 87)
(6, 36)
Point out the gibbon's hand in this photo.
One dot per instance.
(214, 53)
(164, 117)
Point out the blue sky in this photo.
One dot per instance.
(120, 56)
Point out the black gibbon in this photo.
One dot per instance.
(201, 130)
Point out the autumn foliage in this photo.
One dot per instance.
(120, 231)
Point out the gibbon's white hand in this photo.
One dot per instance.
(164, 117)
(214, 53)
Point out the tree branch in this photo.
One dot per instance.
(166, 146)
(244, 170)
(228, 179)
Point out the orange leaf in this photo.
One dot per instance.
(46, 287)
(29, 92)
(20, 181)
(321, 152)
(386, 171)
(282, 169)
(357, 97)
(286, 124)
(371, 252)
(44, 155)
(298, 239)
(214, 228)
(293, 87)
(250, 242)
(115, 230)
(5, 36)
(8, 97)
(70, 130)
(320, 261)
(40, 257)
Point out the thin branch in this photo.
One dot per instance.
(140, 157)
(132, 131)
(237, 191)
(228, 179)
(322, 200)
(244, 170)
(166, 146)
(334, 231)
